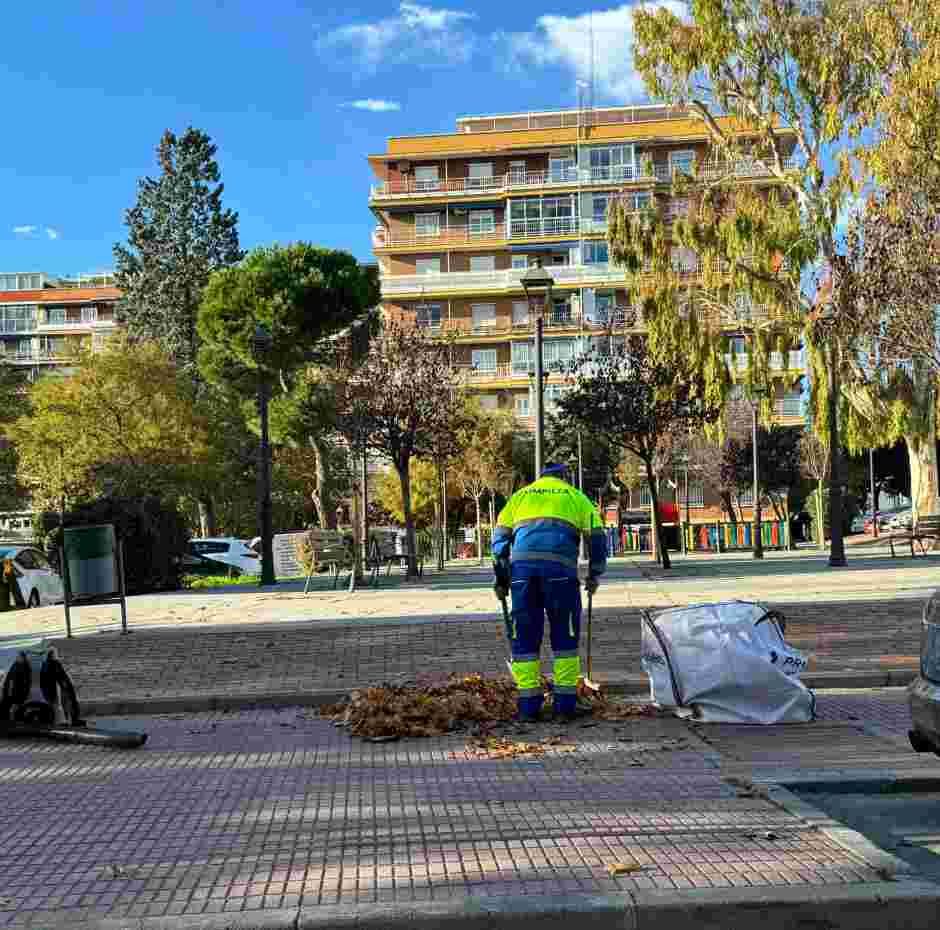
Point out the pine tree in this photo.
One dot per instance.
(178, 233)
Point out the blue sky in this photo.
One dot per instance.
(295, 97)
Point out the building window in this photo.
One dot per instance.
(427, 224)
(53, 346)
(558, 353)
(638, 202)
(24, 348)
(599, 208)
(89, 314)
(521, 357)
(646, 499)
(18, 319)
(561, 170)
(426, 178)
(483, 263)
(56, 317)
(746, 497)
(612, 163)
(525, 216)
(595, 253)
(428, 315)
(517, 172)
(522, 405)
(520, 262)
(552, 393)
(484, 359)
(480, 175)
(696, 492)
(428, 265)
(682, 161)
(520, 313)
(484, 316)
(482, 222)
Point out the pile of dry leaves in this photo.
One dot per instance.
(432, 708)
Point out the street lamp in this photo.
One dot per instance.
(757, 392)
(261, 345)
(537, 284)
(874, 511)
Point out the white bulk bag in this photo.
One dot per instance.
(727, 662)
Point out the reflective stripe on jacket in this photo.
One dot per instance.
(542, 523)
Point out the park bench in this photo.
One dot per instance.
(926, 528)
(384, 552)
(330, 548)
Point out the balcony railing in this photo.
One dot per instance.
(795, 359)
(551, 226)
(559, 177)
(442, 282)
(444, 235)
(17, 326)
(476, 373)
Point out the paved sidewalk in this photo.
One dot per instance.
(276, 811)
(464, 592)
(870, 642)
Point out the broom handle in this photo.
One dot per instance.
(590, 618)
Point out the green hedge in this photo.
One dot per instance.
(154, 533)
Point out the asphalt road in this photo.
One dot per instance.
(905, 824)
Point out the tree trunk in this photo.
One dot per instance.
(442, 550)
(326, 516)
(922, 455)
(207, 522)
(657, 530)
(411, 543)
(820, 523)
(476, 501)
(728, 506)
(837, 544)
(437, 519)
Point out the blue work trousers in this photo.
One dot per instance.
(536, 592)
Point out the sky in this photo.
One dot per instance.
(295, 96)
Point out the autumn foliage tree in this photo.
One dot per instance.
(125, 421)
(400, 400)
(640, 405)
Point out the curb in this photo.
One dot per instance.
(909, 904)
(245, 700)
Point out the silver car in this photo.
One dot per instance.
(924, 691)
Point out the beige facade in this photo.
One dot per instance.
(462, 216)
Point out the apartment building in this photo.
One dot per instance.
(45, 320)
(461, 216)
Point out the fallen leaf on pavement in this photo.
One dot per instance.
(623, 868)
(6, 902)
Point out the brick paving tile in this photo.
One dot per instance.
(224, 813)
(842, 636)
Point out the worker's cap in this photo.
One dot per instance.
(556, 470)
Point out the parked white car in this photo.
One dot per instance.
(38, 581)
(902, 520)
(220, 554)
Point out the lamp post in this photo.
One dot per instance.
(261, 345)
(757, 392)
(538, 283)
(874, 510)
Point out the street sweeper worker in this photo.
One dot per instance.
(535, 557)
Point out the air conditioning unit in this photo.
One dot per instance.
(404, 166)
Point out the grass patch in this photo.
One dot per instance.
(197, 582)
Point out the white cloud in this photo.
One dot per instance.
(565, 41)
(419, 34)
(374, 106)
(25, 231)
(53, 234)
